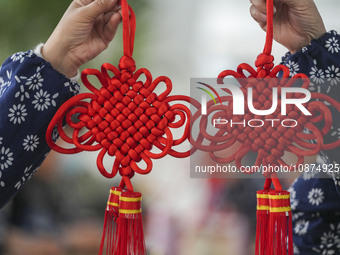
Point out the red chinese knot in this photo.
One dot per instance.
(125, 118)
(269, 140)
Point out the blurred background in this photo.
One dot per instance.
(60, 211)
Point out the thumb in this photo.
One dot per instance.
(97, 7)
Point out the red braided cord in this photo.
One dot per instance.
(269, 141)
(129, 28)
(269, 34)
(125, 118)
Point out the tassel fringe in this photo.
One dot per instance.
(274, 234)
(123, 224)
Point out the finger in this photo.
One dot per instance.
(98, 7)
(258, 16)
(111, 27)
(260, 5)
(80, 3)
(117, 8)
(294, 3)
(86, 2)
(107, 16)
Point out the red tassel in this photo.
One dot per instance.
(280, 238)
(110, 223)
(130, 236)
(262, 222)
(274, 232)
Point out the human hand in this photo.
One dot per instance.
(84, 31)
(296, 22)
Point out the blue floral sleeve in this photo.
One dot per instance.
(320, 61)
(31, 91)
(315, 196)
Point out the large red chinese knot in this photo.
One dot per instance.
(125, 118)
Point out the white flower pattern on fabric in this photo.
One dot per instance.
(317, 75)
(2, 183)
(336, 132)
(31, 142)
(6, 158)
(293, 201)
(309, 175)
(332, 75)
(1, 139)
(20, 56)
(325, 250)
(296, 250)
(17, 114)
(329, 238)
(314, 88)
(316, 196)
(42, 100)
(27, 175)
(332, 45)
(297, 215)
(336, 229)
(293, 68)
(22, 94)
(35, 81)
(55, 134)
(54, 97)
(301, 227)
(4, 84)
(73, 87)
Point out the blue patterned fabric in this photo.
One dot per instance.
(31, 91)
(315, 199)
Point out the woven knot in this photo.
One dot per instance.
(127, 122)
(127, 119)
(264, 62)
(127, 63)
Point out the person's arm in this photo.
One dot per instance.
(31, 92)
(33, 85)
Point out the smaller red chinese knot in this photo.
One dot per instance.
(269, 140)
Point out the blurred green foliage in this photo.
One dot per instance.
(25, 23)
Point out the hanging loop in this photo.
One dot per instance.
(264, 62)
(129, 28)
(269, 34)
